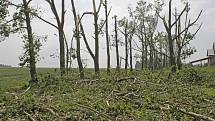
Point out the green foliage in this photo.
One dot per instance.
(18, 23)
(25, 58)
(190, 75)
(4, 27)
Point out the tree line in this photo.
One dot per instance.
(137, 33)
(3, 65)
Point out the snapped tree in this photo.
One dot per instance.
(77, 36)
(169, 25)
(60, 19)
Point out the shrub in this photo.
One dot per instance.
(190, 75)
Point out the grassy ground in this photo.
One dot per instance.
(131, 96)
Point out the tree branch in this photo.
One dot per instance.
(29, 2)
(100, 4)
(85, 41)
(104, 21)
(85, 13)
(189, 25)
(180, 15)
(46, 21)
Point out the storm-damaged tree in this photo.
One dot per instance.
(77, 36)
(22, 24)
(124, 29)
(116, 44)
(97, 31)
(107, 36)
(183, 40)
(169, 25)
(132, 26)
(127, 28)
(124, 25)
(147, 20)
(60, 19)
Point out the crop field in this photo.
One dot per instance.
(124, 96)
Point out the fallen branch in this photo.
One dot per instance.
(30, 117)
(125, 79)
(51, 111)
(93, 110)
(192, 114)
(197, 116)
(25, 91)
(210, 101)
(87, 81)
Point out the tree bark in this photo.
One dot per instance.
(77, 36)
(31, 43)
(126, 45)
(131, 54)
(142, 57)
(107, 38)
(170, 40)
(59, 27)
(96, 28)
(117, 47)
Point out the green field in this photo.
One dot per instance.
(131, 96)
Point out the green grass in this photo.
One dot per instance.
(109, 97)
(15, 78)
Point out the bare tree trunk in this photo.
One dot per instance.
(80, 65)
(96, 60)
(62, 52)
(126, 45)
(142, 53)
(67, 54)
(107, 39)
(151, 59)
(131, 54)
(117, 47)
(146, 54)
(77, 36)
(31, 43)
(179, 64)
(170, 40)
(161, 56)
(59, 27)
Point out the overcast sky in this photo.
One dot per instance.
(11, 49)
